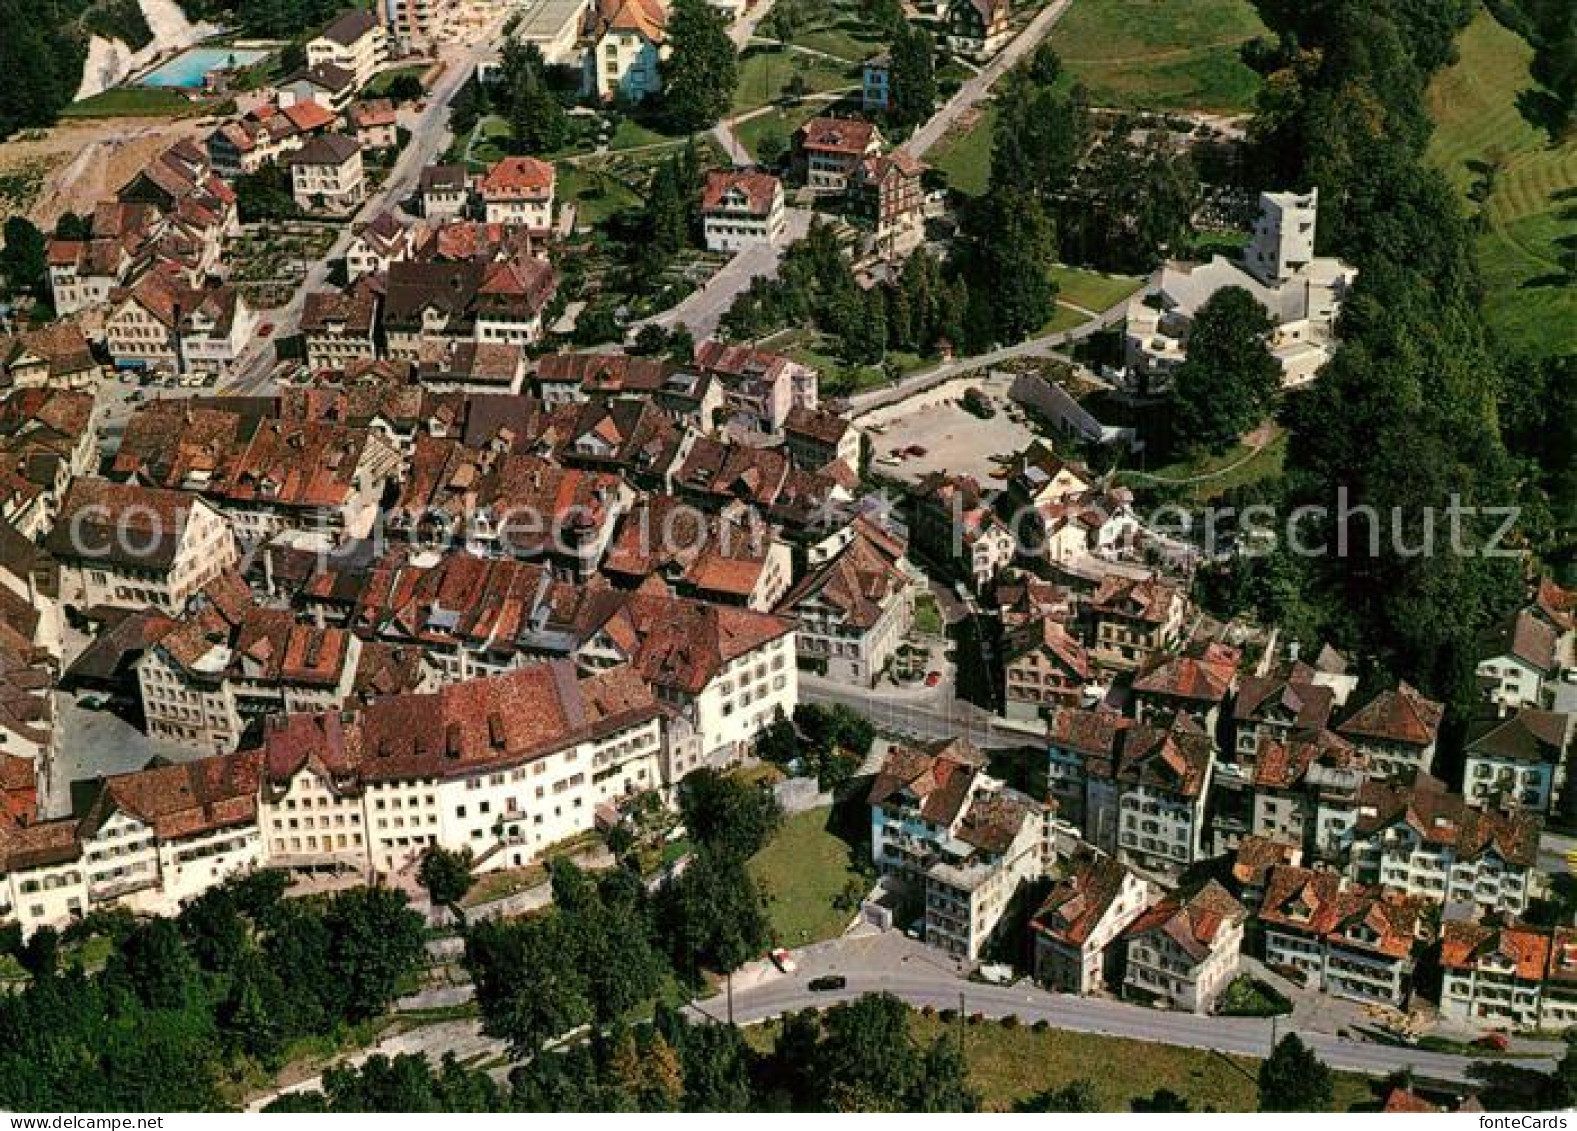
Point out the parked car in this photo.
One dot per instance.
(916, 450)
(1496, 1042)
(265, 329)
(933, 678)
(827, 982)
(782, 960)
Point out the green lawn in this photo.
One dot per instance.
(1008, 1066)
(927, 617)
(597, 195)
(630, 134)
(1161, 54)
(765, 72)
(135, 102)
(1199, 477)
(802, 872)
(963, 156)
(787, 120)
(380, 84)
(1531, 218)
(1092, 289)
(1063, 318)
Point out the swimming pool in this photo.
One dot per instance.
(190, 67)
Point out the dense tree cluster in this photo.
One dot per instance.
(183, 1004)
(1229, 380)
(284, 19)
(524, 98)
(829, 743)
(1551, 26)
(911, 87)
(1405, 418)
(1292, 1078)
(702, 69)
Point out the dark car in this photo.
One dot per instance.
(827, 982)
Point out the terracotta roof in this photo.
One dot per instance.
(307, 116)
(1193, 922)
(1205, 677)
(1320, 904)
(121, 524)
(370, 113)
(1077, 904)
(517, 178)
(1176, 758)
(938, 781)
(1525, 636)
(1301, 703)
(1563, 956)
(1557, 605)
(464, 728)
(1150, 599)
(1464, 946)
(748, 190)
(1284, 765)
(847, 136)
(647, 18)
(183, 800)
(1257, 855)
(1445, 819)
(1401, 715)
(1051, 636)
(1401, 1101)
(860, 582)
(62, 347)
(816, 424)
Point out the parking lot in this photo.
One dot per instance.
(954, 440)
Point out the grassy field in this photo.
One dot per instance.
(1200, 477)
(786, 120)
(1063, 318)
(597, 196)
(1008, 1066)
(380, 84)
(964, 156)
(1532, 212)
(765, 72)
(1093, 290)
(136, 102)
(805, 868)
(1161, 54)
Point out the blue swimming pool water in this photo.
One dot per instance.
(189, 67)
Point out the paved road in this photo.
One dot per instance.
(430, 136)
(704, 309)
(944, 718)
(973, 92)
(921, 977)
(1044, 346)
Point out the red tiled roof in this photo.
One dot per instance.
(1464, 946)
(1401, 715)
(758, 189)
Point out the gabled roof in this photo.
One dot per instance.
(1050, 636)
(1528, 735)
(646, 18)
(326, 149)
(1077, 904)
(860, 582)
(1525, 636)
(1194, 922)
(1465, 946)
(846, 136)
(753, 190)
(938, 782)
(1205, 676)
(1293, 693)
(517, 178)
(183, 800)
(1401, 715)
(1445, 819)
(350, 27)
(121, 524)
(1319, 903)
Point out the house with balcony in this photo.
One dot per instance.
(855, 607)
(1522, 655)
(1044, 666)
(1518, 763)
(978, 29)
(1428, 842)
(828, 150)
(355, 42)
(1305, 792)
(327, 176)
(741, 208)
(518, 190)
(1341, 938)
(1396, 732)
(1077, 930)
(1134, 620)
(1493, 975)
(1184, 950)
(1196, 683)
(946, 832)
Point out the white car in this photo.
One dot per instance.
(783, 960)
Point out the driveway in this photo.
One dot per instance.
(973, 92)
(704, 309)
(877, 962)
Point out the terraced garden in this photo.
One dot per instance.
(1483, 142)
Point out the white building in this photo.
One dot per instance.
(355, 42)
(518, 190)
(1522, 656)
(1517, 763)
(1493, 975)
(1184, 950)
(130, 546)
(945, 831)
(741, 208)
(855, 605)
(1302, 293)
(1085, 914)
(327, 175)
